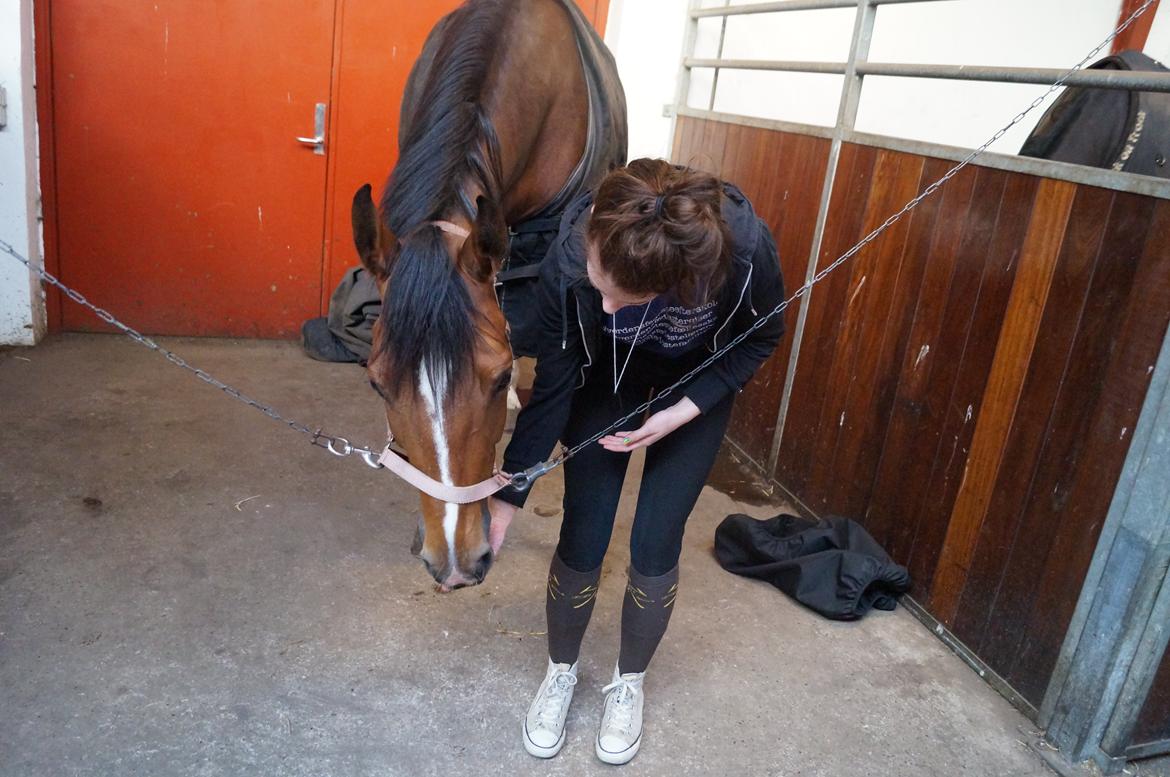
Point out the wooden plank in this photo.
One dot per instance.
(1002, 394)
(687, 129)
(676, 140)
(727, 163)
(793, 188)
(1122, 331)
(846, 211)
(998, 548)
(875, 376)
(927, 501)
(913, 431)
(1047, 502)
(875, 272)
(707, 153)
(1135, 35)
(798, 200)
(978, 353)
(891, 357)
(754, 417)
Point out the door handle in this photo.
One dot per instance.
(318, 141)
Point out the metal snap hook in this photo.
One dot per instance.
(344, 450)
(371, 460)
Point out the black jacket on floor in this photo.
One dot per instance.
(571, 320)
(831, 566)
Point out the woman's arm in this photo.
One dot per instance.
(656, 427)
(737, 366)
(542, 421)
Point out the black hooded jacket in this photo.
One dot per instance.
(571, 319)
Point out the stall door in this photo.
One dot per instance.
(185, 202)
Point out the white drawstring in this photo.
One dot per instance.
(617, 378)
(746, 283)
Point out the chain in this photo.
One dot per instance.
(569, 453)
(338, 446)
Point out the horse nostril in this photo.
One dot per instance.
(482, 565)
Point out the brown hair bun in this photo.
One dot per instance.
(659, 228)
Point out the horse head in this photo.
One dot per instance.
(441, 362)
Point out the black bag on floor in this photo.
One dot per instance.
(1123, 130)
(831, 566)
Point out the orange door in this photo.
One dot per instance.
(184, 202)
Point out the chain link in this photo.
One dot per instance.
(340, 446)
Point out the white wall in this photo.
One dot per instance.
(22, 310)
(646, 37)
(1158, 44)
(1038, 33)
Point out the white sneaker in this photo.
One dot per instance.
(544, 725)
(620, 734)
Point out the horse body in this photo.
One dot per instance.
(496, 120)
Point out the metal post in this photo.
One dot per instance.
(846, 117)
(715, 78)
(1118, 634)
(684, 73)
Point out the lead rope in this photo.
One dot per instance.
(340, 446)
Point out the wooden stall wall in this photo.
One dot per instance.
(782, 175)
(966, 385)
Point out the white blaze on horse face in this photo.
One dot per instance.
(433, 391)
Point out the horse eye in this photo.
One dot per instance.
(502, 382)
(374, 386)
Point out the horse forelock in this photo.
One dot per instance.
(428, 316)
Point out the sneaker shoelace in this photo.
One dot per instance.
(622, 709)
(549, 712)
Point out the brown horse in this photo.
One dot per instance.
(499, 124)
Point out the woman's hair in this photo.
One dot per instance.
(658, 228)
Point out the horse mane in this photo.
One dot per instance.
(428, 314)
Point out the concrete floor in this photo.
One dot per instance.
(188, 588)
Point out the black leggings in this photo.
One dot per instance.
(675, 472)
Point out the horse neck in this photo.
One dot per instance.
(537, 157)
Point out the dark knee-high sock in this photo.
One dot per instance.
(567, 606)
(646, 610)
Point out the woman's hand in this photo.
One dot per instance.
(656, 427)
(502, 513)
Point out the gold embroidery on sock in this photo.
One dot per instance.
(554, 587)
(638, 596)
(668, 600)
(584, 596)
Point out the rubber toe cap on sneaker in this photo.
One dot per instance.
(615, 750)
(541, 742)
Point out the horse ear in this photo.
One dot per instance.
(488, 241)
(370, 237)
